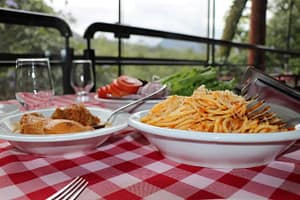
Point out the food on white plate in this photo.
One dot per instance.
(183, 83)
(219, 111)
(34, 123)
(122, 86)
(130, 88)
(75, 118)
(76, 112)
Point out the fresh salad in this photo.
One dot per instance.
(181, 83)
(187, 80)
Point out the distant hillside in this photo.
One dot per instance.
(183, 45)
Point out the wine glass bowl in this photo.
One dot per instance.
(34, 83)
(82, 79)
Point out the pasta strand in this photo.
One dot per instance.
(208, 111)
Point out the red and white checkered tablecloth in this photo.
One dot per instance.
(126, 166)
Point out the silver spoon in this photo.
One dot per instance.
(140, 100)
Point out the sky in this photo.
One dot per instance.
(187, 17)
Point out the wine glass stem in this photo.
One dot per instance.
(82, 97)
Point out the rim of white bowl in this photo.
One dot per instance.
(60, 137)
(134, 121)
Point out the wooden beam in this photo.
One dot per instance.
(257, 32)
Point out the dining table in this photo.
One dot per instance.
(128, 166)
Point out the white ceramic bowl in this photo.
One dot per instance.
(60, 143)
(8, 109)
(117, 103)
(215, 150)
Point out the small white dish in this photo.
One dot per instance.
(117, 103)
(8, 109)
(60, 143)
(215, 150)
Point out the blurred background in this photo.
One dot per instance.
(138, 55)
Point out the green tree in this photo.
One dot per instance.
(22, 39)
(231, 25)
(279, 12)
(283, 13)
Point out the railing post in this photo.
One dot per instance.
(90, 54)
(67, 63)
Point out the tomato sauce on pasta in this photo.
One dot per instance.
(208, 111)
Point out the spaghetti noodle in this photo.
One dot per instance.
(207, 111)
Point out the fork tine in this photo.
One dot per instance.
(75, 190)
(270, 117)
(71, 190)
(61, 191)
(78, 192)
(256, 106)
(245, 87)
(258, 110)
(261, 112)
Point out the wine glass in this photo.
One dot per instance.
(82, 79)
(34, 83)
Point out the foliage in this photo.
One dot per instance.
(106, 47)
(231, 24)
(277, 34)
(21, 39)
(185, 81)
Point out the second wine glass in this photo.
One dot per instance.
(82, 79)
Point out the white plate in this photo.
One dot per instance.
(8, 109)
(215, 150)
(60, 143)
(117, 103)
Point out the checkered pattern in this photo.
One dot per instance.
(128, 167)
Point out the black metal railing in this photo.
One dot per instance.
(124, 32)
(10, 16)
(35, 19)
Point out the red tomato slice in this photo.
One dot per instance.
(129, 84)
(102, 92)
(115, 86)
(124, 85)
(109, 91)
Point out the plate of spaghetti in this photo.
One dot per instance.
(213, 129)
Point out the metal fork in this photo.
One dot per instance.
(257, 109)
(135, 102)
(71, 191)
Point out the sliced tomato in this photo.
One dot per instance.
(129, 84)
(115, 86)
(110, 92)
(102, 92)
(105, 91)
(124, 85)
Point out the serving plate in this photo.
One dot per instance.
(215, 150)
(60, 143)
(8, 109)
(117, 103)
